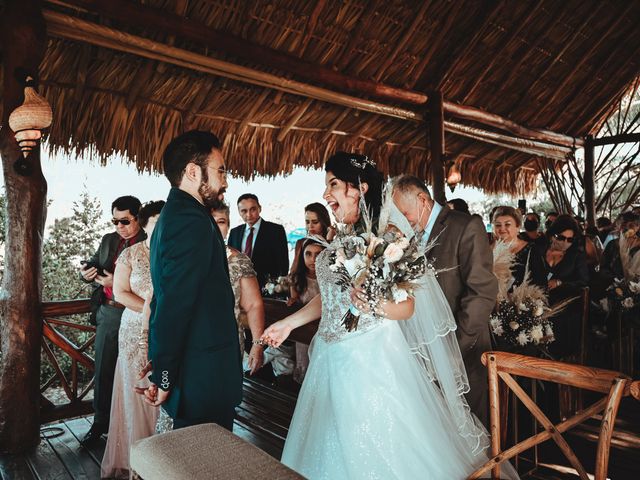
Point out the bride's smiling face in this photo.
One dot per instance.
(343, 199)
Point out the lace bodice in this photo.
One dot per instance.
(136, 257)
(335, 303)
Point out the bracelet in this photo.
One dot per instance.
(257, 342)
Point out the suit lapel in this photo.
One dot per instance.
(262, 234)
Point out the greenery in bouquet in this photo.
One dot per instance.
(385, 265)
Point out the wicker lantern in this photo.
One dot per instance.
(30, 118)
(454, 177)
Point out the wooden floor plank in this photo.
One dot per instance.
(15, 467)
(46, 464)
(77, 459)
(78, 428)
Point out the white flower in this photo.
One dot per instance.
(548, 330)
(393, 253)
(628, 302)
(494, 322)
(514, 325)
(634, 287)
(536, 333)
(402, 242)
(523, 338)
(270, 288)
(399, 294)
(353, 265)
(538, 311)
(523, 308)
(498, 330)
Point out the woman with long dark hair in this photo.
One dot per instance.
(367, 409)
(568, 273)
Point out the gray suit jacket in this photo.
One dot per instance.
(471, 290)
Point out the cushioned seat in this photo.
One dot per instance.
(205, 451)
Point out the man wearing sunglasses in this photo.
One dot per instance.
(105, 310)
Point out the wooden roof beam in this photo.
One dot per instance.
(142, 16)
(73, 28)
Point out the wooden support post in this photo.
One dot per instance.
(589, 182)
(23, 34)
(436, 142)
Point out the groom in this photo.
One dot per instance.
(469, 283)
(193, 336)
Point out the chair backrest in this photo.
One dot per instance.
(502, 365)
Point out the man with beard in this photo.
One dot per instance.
(193, 339)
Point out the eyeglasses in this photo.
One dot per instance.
(123, 221)
(562, 238)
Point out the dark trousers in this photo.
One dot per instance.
(106, 346)
(224, 419)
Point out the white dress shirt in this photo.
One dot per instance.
(247, 230)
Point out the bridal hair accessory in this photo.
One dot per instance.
(361, 161)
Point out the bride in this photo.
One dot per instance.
(385, 400)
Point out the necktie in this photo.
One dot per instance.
(248, 248)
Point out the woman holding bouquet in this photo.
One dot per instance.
(506, 226)
(368, 407)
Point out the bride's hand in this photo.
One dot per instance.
(277, 333)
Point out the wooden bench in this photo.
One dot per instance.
(203, 452)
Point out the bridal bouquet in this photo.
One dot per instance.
(276, 286)
(523, 314)
(386, 266)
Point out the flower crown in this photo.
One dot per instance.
(362, 162)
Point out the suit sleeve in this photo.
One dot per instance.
(234, 239)
(283, 251)
(481, 286)
(184, 262)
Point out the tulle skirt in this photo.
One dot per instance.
(364, 412)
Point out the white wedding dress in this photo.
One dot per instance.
(371, 405)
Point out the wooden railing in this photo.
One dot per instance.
(55, 342)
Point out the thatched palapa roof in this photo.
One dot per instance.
(555, 65)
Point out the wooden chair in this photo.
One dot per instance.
(502, 365)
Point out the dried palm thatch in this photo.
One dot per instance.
(547, 64)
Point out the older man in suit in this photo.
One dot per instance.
(262, 241)
(469, 284)
(193, 337)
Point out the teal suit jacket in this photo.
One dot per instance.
(193, 335)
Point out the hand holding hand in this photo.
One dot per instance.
(277, 333)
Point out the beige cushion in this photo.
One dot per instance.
(205, 451)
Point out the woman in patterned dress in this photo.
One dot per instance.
(131, 418)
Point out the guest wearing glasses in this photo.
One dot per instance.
(105, 310)
(568, 273)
